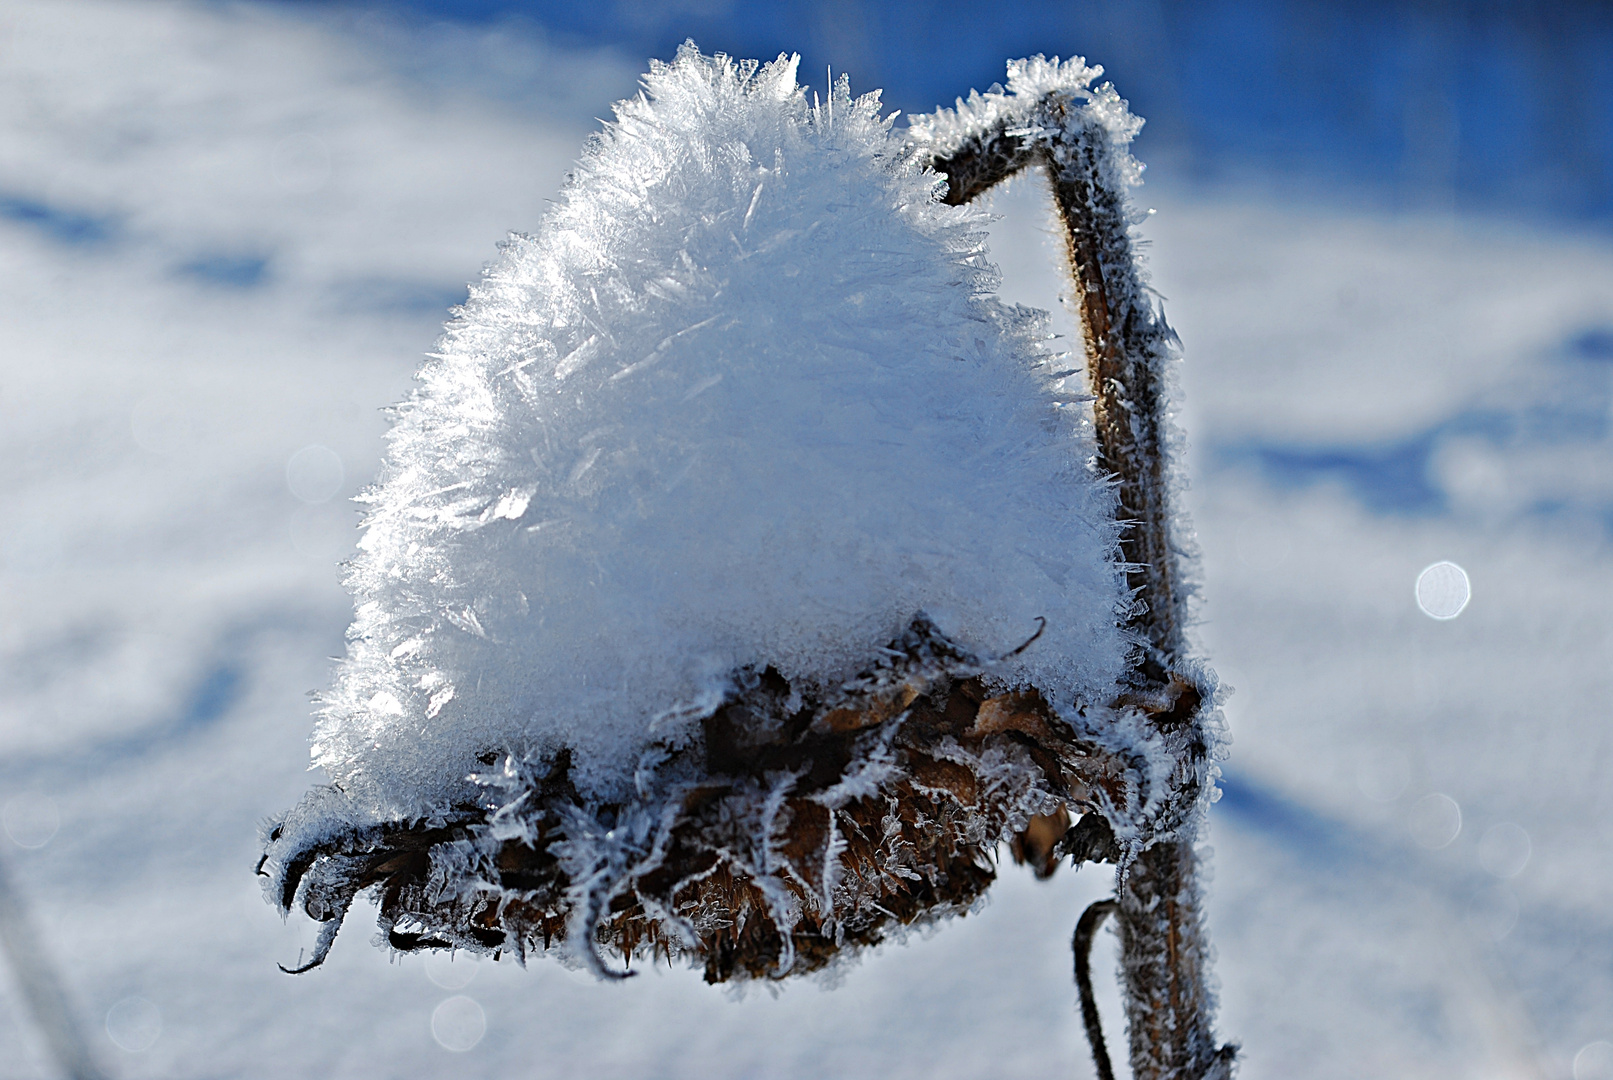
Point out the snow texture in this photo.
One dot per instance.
(1030, 81)
(747, 398)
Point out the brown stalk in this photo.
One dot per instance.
(1164, 964)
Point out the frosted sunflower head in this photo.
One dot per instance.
(736, 578)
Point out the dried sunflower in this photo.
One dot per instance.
(744, 572)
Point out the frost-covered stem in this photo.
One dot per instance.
(1169, 1006)
(1165, 965)
(1168, 1003)
(1127, 347)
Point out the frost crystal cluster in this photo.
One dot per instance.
(741, 574)
(745, 400)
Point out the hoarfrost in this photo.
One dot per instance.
(746, 399)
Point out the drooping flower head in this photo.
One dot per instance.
(737, 558)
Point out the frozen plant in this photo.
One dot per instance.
(1050, 118)
(743, 571)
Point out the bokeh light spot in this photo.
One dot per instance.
(1504, 850)
(1435, 821)
(458, 1023)
(315, 474)
(1443, 590)
(452, 970)
(1594, 1061)
(133, 1024)
(30, 820)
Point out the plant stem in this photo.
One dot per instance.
(1164, 952)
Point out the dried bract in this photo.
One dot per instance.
(794, 828)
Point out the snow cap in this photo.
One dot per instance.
(745, 399)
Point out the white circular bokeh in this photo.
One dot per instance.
(452, 970)
(1435, 820)
(458, 1023)
(1443, 590)
(1594, 1061)
(1504, 850)
(133, 1024)
(30, 820)
(315, 474)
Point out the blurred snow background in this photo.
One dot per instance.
(228, 232)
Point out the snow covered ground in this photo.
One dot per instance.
(228, 233)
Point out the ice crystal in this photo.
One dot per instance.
(745, 400)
